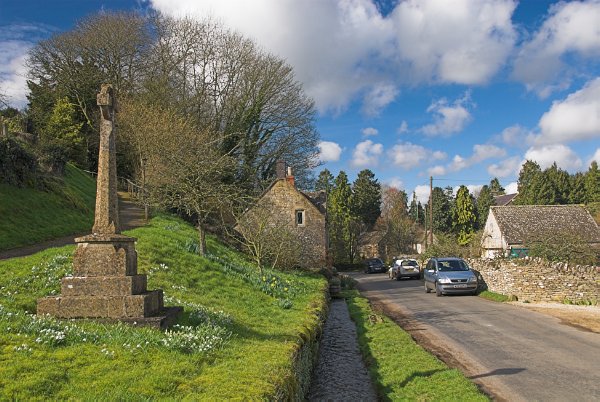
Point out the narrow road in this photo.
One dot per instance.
(130, 215)
(512, 353)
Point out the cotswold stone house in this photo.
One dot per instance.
(291, 212)
(509, 229)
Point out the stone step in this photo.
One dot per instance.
(103, 285)
(143, 305)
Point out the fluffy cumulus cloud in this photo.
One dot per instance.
(448, 118)
(595, 157)
(437, 170)
(329, 151)
(346, 50)
(575, 118)
(407, 155)
(505, 168)
(570, 29)
(515, 136)
(481, 152)
(511, 188)
(422, 193)
(369, 131)
(395, 182)
(366, 153)
(564, 157)
(15, 43)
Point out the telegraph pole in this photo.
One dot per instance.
(431, 210)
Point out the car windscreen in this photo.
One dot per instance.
(453, 265)
(409, 263)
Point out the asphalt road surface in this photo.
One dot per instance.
(512, 353)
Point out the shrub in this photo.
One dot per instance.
(17, 165)
(563, 247)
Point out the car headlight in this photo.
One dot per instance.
(473, 279)
(444, 280)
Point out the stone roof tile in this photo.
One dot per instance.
(522, 223)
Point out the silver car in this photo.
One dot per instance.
(449, 275)
(404, 268)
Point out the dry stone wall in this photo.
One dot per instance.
(538, 280)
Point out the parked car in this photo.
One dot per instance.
(449, 275)
(405, 268)
(374, 265)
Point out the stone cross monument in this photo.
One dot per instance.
(105, 283)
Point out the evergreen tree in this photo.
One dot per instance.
(495, 187)
(442, 218)
(592, 183)
(555, 187)
(340, 218)
(484, 201)
(366, 198)
(324, 181)
(463, 213)
(578, 193)
(416, 211)
(64, 130)
(529, 183)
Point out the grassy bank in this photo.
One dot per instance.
(401, 369)
(240, 336)
(30, 215)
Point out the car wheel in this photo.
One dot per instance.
(438, 291)
(427, 290)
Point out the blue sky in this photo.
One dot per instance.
(460, 90)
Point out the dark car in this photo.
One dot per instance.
(374, 265)
(449, 275)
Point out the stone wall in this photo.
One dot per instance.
(536, 280)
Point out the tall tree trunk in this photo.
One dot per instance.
(201, 239)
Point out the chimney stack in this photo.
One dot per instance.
(280, 169)
(289, 177)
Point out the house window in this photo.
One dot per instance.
(300, 217)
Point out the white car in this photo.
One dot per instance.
(404, 268)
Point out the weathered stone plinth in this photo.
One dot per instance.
(106, 286)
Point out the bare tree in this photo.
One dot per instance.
(184, 170)
(268, 237)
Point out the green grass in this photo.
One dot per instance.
(30, 215)
(260, 335)
(401, 369)
(497, 297)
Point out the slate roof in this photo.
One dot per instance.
(521, 223)
(504, 199)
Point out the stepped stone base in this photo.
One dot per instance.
(147, 304)
(162, 320)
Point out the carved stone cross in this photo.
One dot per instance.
(106, 220)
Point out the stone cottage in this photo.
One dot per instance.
(301, 215)
(509, 229)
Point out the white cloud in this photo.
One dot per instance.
(329, 151)
(571, 28)
(378, 97)
(515, 136)
(474, 189)
(481, 152)
(422, 193)
(403, 127)
(595, 157)
(395, 182)
(345, 50)
(15, 42)
(462, 42)
(407, 155)
(507, 167)
(366, 154)
(437, 170)
(575, 118)
(448, 119)
(511, 188)
(366, 132)
(545, 156)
